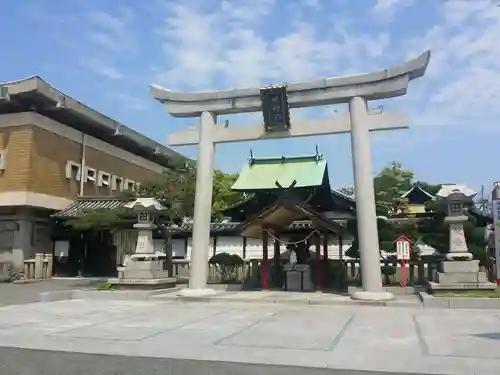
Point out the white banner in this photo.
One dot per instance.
(403, 250)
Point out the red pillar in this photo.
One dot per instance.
(319, 265)
(264, 268)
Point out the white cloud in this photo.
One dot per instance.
(462, 82)
(225, 46)
(111, 31)
(210, 44)
(101, 68)
(384, 10)
(130, 101)
(315, 4)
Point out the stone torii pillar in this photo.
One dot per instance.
(355, 90)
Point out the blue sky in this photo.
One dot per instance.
(105, 53)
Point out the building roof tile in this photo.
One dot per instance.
(266, 173)
(82, 204)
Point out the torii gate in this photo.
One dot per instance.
(355, 90)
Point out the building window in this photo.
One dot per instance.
(3, 159)
(73, 170)
(103, 179)
(90, 174)
(129, 184)
(117, 183)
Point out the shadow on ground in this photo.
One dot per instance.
(491, 336)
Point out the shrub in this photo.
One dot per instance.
(104, 286)
(388, 272)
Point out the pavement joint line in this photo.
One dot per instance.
(138, 315)
(142, 338)
(101, 322)
(334, 343)
(183, 325)
(105, 339)
(424, 348)
(219, 341)
(270, 347)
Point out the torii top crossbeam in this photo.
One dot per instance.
(382, 84)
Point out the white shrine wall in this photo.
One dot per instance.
(251, 248)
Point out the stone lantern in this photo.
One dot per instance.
(147, 209)
(456, 197)
(145, 267)
(458, 271)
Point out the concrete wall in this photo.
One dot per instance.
(21, 236)
(35, 153)
(37, 150)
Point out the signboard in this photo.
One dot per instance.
(403, 250)
(496, 227)
(275, 108)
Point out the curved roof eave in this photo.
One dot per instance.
(381, 84)
(42, 87)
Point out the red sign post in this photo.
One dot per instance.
(403, 253)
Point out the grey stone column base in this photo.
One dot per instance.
(188, 292)
(364, 295)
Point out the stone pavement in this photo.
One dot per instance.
(42, 362)
(282, 297)
(17, 294)
(403, 340)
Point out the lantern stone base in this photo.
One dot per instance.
(144, 284)
(458, 256)
(144, 271)
(460, 275)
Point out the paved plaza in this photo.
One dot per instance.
(403, 340)
(17, 294)
(282, 297)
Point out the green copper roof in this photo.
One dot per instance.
(263, 173)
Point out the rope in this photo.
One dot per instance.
(291, 243)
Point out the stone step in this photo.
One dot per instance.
(461, 277)
(462, 286)
(459, 266)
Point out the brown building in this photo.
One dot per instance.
(53, 149)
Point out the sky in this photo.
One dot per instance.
(105, 53)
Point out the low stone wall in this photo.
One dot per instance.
(416, 274)
(5, 271)
(38, 268)
(485, 303)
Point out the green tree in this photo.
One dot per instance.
(174, 189)
(390, 184)
(223, 196)
(101, 219)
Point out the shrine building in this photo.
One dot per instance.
(290, 196)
